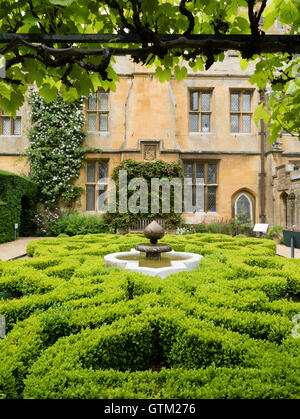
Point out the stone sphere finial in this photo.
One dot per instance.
(154, 232)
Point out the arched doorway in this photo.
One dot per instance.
(27, 225)
(283, 209)
(243, 206)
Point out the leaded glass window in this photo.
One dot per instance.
(211, 198)
(212, 173)
(90, 197)
(194, 101)
(96, 184)
(234, 123)
(98, 111)
(240, 112)
(102, 170)
(246, 123)
(234, 102)
(200, 111)
(10, 125)
(200, 173)
(204, 185)
(91, 172)
(188, 170)
(194, 122)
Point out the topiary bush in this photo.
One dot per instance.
(75, 224)
(19, 196)
(77, 329)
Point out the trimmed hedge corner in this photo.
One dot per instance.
(19, 196)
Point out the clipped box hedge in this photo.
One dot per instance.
(77, 329)
(19, 196)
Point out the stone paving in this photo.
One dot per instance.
(17, 249)
(286, 251)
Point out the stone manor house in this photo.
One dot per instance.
(205, 121)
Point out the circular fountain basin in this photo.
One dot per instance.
(169, 263)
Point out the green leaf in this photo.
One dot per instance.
(163, 75)
(244, 63)
(261, 113)
(49, 93)
(180, 72)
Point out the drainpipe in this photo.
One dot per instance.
(262, 174)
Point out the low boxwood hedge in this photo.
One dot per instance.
(77, 329)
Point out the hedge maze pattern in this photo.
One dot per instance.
(76, 329)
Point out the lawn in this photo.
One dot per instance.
(76, 329)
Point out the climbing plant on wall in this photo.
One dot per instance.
(56, 152)
(146, 171)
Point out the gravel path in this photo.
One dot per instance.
(16, 249)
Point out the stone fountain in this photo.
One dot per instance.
(153, 258)
(153, 250)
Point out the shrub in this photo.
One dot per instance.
(275, 232)
(19, 196)
(45, 220)
(76, 223)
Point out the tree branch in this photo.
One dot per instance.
(193, 45)
(184, 11)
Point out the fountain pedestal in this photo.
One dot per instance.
(153, 250)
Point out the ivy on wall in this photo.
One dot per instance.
(56, 153)
(158, 169)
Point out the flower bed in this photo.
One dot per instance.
(77, 329)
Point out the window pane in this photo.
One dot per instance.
(205, 102)
(17, 126)
(91, 172)
(92, 124)
(103, 101)
(246, 102)
(92, 102)
(199, 198)
(194, 101)
(200, 173)
(103, 122)
(103, 169)
(234, 123)
(212, 173)
(205, 123)
(235, 102)
(211, 198)
(5, 126)
(194, 124)
(102, 197)
(90, 197)
(246, 121)
(188, 170)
